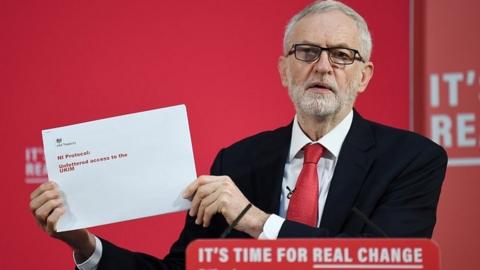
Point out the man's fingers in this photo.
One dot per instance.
(210, 210)
(200, 181)
(202, 192)
(190, 190)
(204, 204)
(43, 212)
(42, 188)
(53, 219)
(42, 198)
(208, 195)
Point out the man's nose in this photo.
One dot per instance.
(323, 64)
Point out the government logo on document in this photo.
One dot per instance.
(60, 142)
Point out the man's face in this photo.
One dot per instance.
(320, 88)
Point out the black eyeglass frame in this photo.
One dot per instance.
(293, 51)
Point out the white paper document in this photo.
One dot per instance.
(121, 168)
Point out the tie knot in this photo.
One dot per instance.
(312, 153)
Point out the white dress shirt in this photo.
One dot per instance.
(332, 143)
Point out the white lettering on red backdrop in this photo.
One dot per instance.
(35, 168)
(454, 103)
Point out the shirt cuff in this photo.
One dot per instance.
(271, 228)
(92, 262)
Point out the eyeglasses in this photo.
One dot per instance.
(336, 55)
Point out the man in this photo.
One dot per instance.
(304, 179)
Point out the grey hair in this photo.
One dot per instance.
(318, 7)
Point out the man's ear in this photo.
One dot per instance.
(367, 73)
(282, 70)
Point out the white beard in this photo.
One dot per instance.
(323, 104)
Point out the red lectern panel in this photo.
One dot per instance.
(313, 254)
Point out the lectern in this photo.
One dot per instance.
(299, 254)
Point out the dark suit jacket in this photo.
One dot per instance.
(393, 176)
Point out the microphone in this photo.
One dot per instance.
(290, 192)
(368, 221)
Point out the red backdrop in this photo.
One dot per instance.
(447, 99)
(65, 62)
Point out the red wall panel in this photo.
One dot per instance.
(65, 62)
(447, 109)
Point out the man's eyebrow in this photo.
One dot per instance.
(336, 45)
(340, 45)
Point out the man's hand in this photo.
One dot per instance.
(218, 194)
(46, 204)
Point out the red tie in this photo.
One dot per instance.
(303, 205)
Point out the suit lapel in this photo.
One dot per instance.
(352, 167)
(268, 168)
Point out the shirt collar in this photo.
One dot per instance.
(332, 141)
